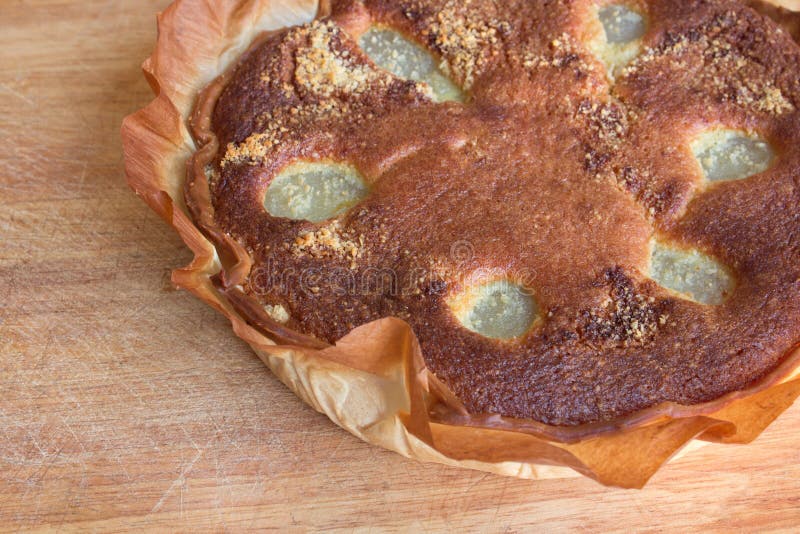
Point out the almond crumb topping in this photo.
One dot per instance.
(328, 242)
(327, 84)
(466, 39)
(323, 70)
(730, 70)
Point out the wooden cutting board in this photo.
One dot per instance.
(125, 404)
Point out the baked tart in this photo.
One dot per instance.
(523, 237)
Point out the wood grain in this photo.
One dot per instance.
(125, 404)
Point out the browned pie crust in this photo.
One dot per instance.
(548, 172)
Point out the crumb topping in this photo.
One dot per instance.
(279, 126)
(564, 51)
(323, 70)
(627, 315)
(466, 39)
(608, 121)
(328, 242)
(329, 83)
(727, 67)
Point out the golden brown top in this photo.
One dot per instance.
(563, 165)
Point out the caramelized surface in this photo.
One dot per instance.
(549, 173)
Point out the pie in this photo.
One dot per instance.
(518, 237)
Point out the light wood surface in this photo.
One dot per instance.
(126, 404)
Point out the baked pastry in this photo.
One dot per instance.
(500, 235)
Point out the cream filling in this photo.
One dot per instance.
(725, 154)
(691, 273)
(314, 191)
(499, 309)
(390, 50)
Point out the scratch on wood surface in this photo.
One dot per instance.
(176, 483)
(472, 486)
(17, 94)
(500, 500)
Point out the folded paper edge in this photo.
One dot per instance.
(383, 404)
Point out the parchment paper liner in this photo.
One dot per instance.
(374, 383)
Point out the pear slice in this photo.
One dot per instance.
(314, 191)
(726, 154)
(392, 51)
(695, 275)
(500, 310)
(619, 38)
